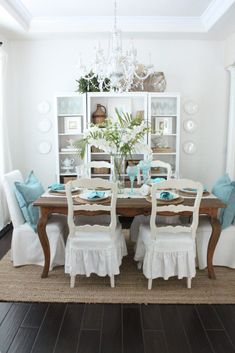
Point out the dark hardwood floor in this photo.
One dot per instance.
(112, 328)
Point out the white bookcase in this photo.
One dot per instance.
(130, 102)
(74, 113)
(71, 119)
(164, 138)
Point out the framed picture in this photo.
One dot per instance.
(163, 125)
(72, 125)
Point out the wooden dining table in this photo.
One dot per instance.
(128, 207)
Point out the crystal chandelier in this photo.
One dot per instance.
(116, 72)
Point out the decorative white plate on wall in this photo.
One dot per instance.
(44, 147)
(44, 107)
(44, 125)
(190, 107)
(189, 147)
(190, 125)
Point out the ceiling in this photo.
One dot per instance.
(32, 19)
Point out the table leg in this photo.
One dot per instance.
(215, 234)
(44, 242)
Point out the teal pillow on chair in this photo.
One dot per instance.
(26, 193)
(224, 189)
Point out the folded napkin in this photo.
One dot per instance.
(157, 180)
(56, 186)
(166, 195)
(95, 195)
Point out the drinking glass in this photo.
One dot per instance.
(145, 167)
(132, 172)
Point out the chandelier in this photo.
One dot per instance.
(115, 72)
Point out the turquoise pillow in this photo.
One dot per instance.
(224, 189)
(26, 193)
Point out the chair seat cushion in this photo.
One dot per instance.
(167, 241)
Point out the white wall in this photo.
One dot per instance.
(193, 68)
(230, 50)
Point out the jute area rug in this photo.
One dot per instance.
(25, 284)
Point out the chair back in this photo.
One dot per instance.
(161, 164)
(193, 210)
(98, 165)
(86, 208)
(9, 180)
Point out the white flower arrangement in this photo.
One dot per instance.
(123, 136)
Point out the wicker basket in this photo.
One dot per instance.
(100, 170)
(132, 162)
(161, 149)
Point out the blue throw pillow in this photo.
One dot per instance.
(224, 189)
(26, 193)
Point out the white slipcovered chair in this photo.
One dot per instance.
(94, 248)
(141, 219)
(26, 248)
(224, 254)
(169, 250)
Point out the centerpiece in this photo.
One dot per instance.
(120, 138)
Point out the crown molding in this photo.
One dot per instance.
(129, 24)
(214, 12)
(105, 24)
(18, 11)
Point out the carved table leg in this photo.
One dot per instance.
(215, 234)
(44, 241)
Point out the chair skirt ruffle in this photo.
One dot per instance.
(103, 260)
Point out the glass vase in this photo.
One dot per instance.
(118, 171)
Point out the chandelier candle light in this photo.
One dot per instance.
(116, 72)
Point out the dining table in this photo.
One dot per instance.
(129, 207)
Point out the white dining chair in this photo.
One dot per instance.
(94, 248)
(141, 219)
(26, 248)
(98, 165)
(169, 250)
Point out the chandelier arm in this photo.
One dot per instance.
(142, 77)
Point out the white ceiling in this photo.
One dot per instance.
(70, 8)
(31, 19)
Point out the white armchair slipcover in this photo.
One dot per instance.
(26, 248)
(138, 220)
(224, 254)
(94, 248)
(169, 250)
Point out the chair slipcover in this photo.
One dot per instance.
(169, 250)
(95, 244)
(26, 248)
(224, 254)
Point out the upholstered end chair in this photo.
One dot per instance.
(26, 248)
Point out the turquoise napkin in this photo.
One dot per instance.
(166, 195)
(95, 195)
(56, 186)
(157, 180)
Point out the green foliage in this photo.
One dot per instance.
(91, 85)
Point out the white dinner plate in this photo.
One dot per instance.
(175, 196)
(189, 191)
(84, 196)
(63, 191)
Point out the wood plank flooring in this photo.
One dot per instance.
(114, 328)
